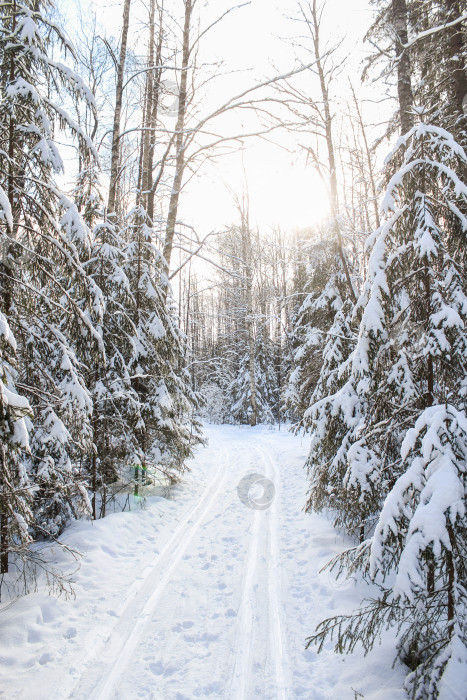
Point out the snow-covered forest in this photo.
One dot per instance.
(146, 305)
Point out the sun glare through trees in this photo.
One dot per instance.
(233, 349)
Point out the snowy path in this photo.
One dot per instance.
(199, 597)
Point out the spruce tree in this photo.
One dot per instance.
(164, 426)
(240, 390)
(407, 454)
(324, 294)
(15, 494)
(46, 294)
(109, 382)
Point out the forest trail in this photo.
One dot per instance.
(210, 605)
(203, 596)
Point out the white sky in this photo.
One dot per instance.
(283, 190)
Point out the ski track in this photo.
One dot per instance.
(123, 639)
(277, 642)
(242, 667)
(243, 676)
(221, 611)
(258, 567)
(256, 661)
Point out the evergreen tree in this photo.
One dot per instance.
(333, 419)
(15, 495)
(164, 426)
(240, 391)
(325, 292)
(114, 400)
(266, 376)
(45, 292)
(406, 393)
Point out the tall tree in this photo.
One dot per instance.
(404, 77)
(407, 373)
(180, 136)
(115, 148)
(46, 295)
(311, 14)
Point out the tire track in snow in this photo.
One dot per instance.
(114, 653)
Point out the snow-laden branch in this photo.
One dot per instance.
(435, 30)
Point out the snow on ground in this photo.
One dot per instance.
(199, 596)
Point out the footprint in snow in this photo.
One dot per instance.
(45, 658)
(34, 636)
(204, 638)
(157, 669)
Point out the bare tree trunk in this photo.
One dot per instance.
(248, 277)
(180, 161)
(457, 57)
(146, 163)
(139, 183)
(7, 299)
(145, 180)
(3, 514)
(330, 145)
(8, 282)
(404, 81)
(94, 481)
(371, 174)
(451, 575)
(430, 365)
(115, 159)
(155, 107)
(251, 348)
